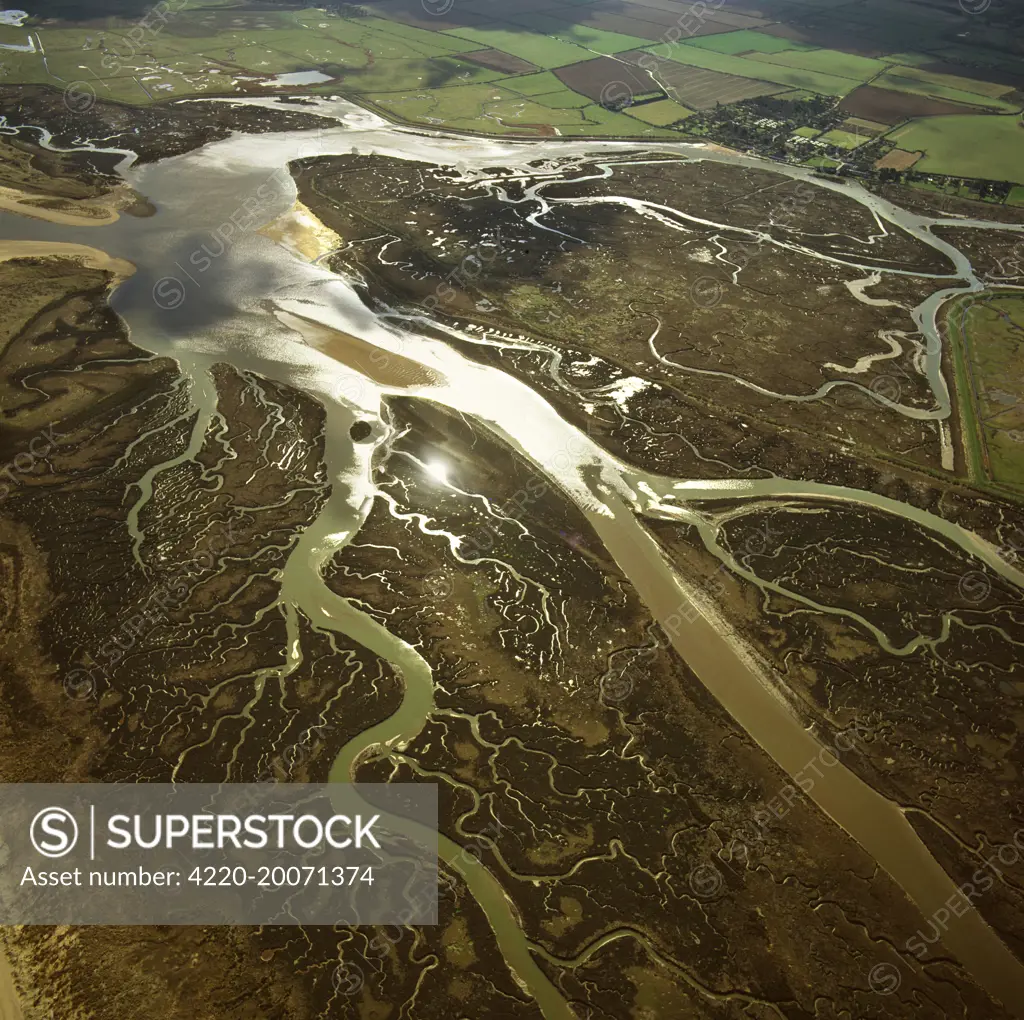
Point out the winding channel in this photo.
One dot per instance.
(265, 311)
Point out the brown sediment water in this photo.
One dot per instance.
(385, 368)
(10, 1007)
(721, 663)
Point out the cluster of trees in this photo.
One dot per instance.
(997, 191)
(813, 111)
(345, 10)
(766, 123)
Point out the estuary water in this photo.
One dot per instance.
(209, 288)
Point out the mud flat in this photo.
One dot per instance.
(481, 592)
(91, 257)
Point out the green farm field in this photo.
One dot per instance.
(824, 162)
(542, 50)
(744, 67)
(830, 62)
(899, 82)
(413, 66)
(180, 62)
(991, 147)
(540, 84)
(592, 40)
(844, 139)
(745, 41)
(953, 81)
(500, 111)
(660, 114)
(988, 335)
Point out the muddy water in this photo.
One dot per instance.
(732, 676)
(242, 299)
(10, 1007)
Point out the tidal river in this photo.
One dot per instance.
(261, 308)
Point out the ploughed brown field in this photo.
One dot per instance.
(630, 25)
(898, 159)
(893, 107)
(700, 89)
(496, 60)
(592, 78)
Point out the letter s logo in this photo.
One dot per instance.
(55, 823)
